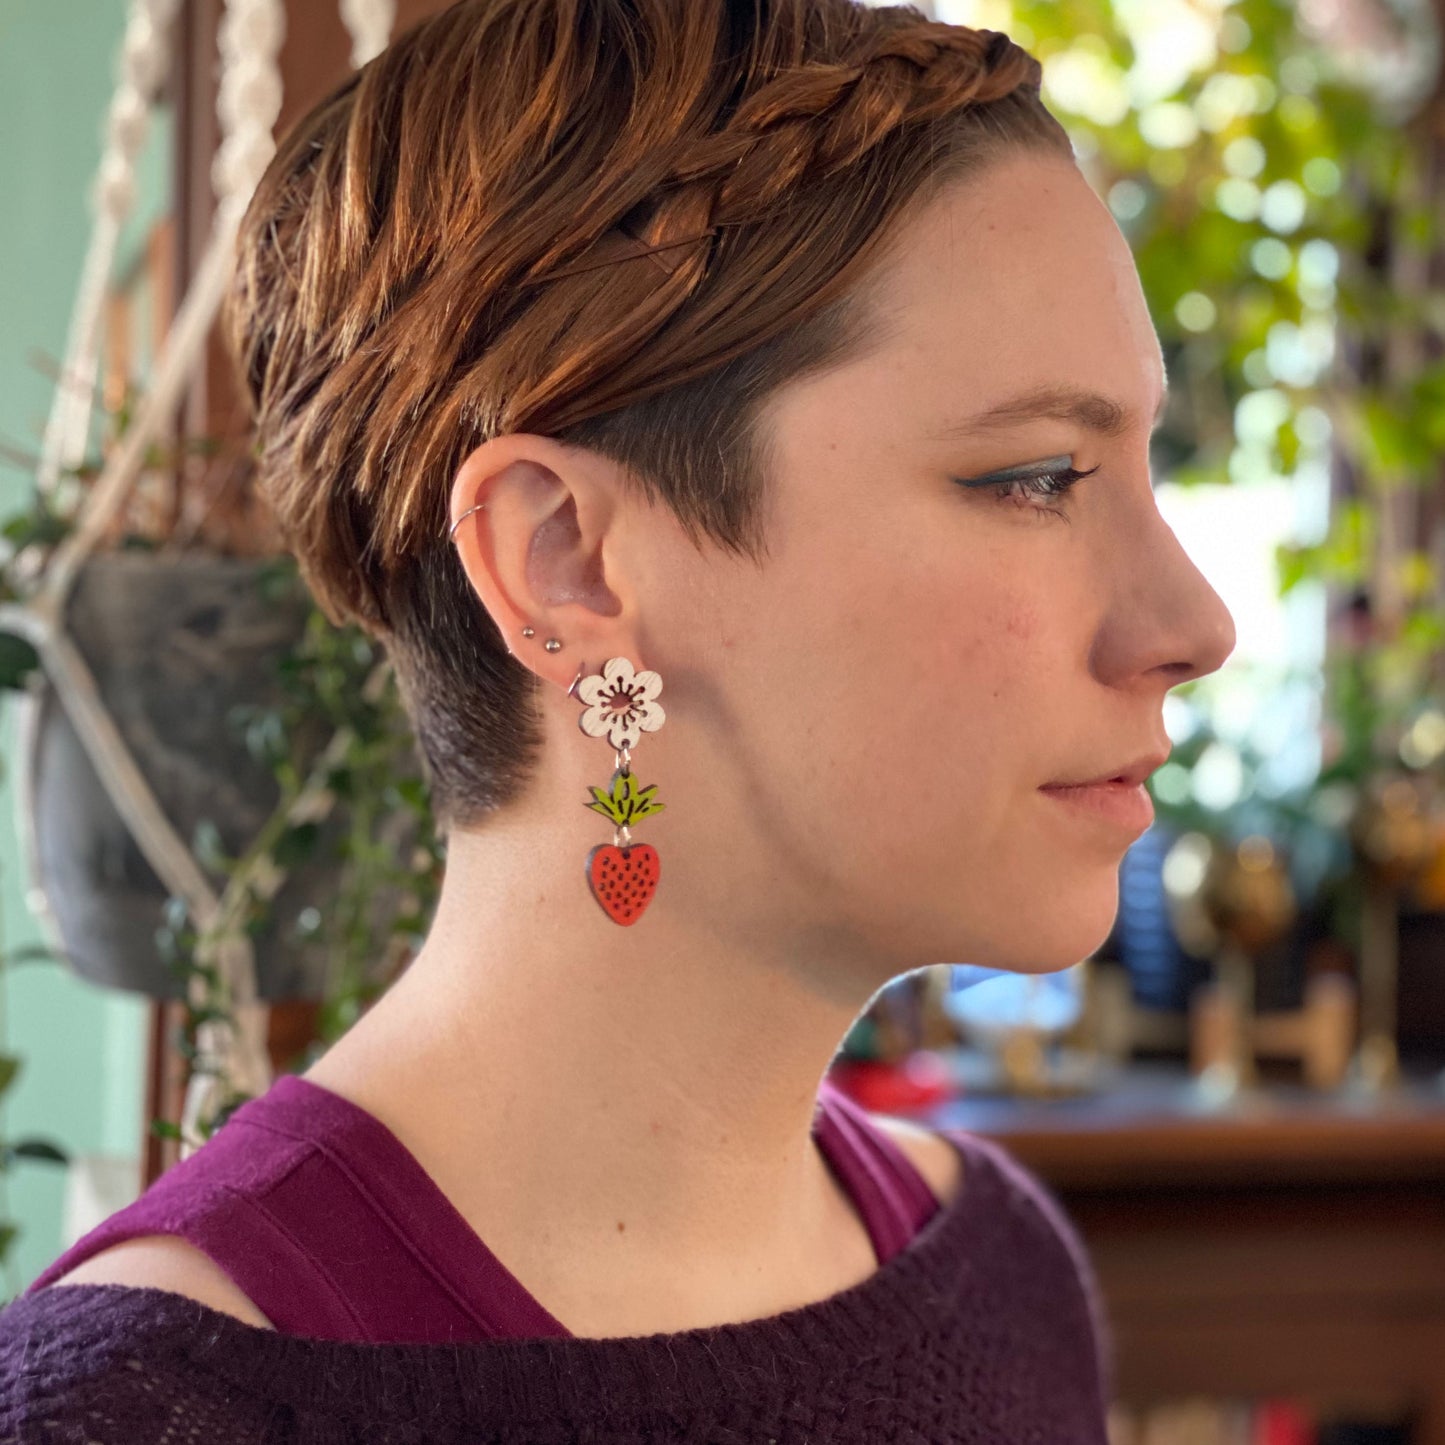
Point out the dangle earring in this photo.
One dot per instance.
(621, 705)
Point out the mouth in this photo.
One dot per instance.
(1119, 798)
(1121, 804)
(1133, 774)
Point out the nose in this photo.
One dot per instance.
(1167, 621)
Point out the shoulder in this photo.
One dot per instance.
(1045, 1240)
(1049, 1250)
(105, 1363)
(163, 1261)
(935, 1158)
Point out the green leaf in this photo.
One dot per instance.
(39, 1149)
(1293, 564)
(296, 844)
(647, 800)
(9, 1068)
(606, 803)
(210, 1016)
(1288, 446)
(18, 659)
(38, 527)
(31, 953)
(414, 793)
(1392, 445)
(233, 1103)
(1424, 630)
(641, 801)
(1416, 575)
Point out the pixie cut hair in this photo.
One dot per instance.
(622, 224)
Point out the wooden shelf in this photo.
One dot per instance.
(1152, 1129)
(1289, 1244)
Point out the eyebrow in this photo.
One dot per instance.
(1091, 410)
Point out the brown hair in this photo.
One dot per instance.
(451, 247)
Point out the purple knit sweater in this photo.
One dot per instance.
(395, 1323)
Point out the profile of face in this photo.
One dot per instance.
(859, 729)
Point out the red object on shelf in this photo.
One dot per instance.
(918, 1081)
(1283, 1422)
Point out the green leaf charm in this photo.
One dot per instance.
(625, 802)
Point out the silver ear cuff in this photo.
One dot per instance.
(452, 532)
(552, 644)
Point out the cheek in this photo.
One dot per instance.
(1020, 623)
(936, 704)
(990, 656)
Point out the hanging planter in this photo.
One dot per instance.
(218, 791)
(188, 835)
(218, 795)
(176, 645)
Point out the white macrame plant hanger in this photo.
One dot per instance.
(248, 102)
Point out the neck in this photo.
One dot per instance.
(639, 1098)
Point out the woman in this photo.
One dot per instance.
(768, 371)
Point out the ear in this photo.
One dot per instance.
(534, 553)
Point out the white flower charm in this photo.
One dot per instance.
(621, 704)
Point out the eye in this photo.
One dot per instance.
(1023, 488)
(1042, 484)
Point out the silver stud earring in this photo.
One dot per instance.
(529, 632)
(552, 645)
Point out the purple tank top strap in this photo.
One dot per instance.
(221, 1200)
(888, 1191)
(328, 1223)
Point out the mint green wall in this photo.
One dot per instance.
(83, 1049)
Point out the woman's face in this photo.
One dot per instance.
(886, 695)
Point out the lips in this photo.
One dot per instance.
(1117, 797)
(1125, 805)
(1116, 801)
(1131, 773)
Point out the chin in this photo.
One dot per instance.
(1049, 937)
(1074, 939)
(1056, 934)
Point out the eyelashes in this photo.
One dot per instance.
(1023, 488)
(1043, 484)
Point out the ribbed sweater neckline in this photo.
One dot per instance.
(922, 1289)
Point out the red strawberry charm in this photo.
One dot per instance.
(623, 880)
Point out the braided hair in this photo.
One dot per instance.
(619, 223)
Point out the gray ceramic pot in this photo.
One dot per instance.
(175, 644)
